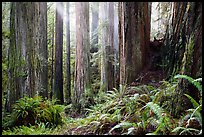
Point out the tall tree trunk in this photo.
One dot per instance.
(68, 92)
(42, 57)
(28, 42)
(191, 62)
(81, 77)
(185, 51)
(104, 42)
(116, 45)
(134, 31)
(107, 42)
(94, 27)
(110, 48)
(13, 53)
(52, 61)
(58, 80)
(94, 46)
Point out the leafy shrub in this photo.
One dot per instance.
(32, 111)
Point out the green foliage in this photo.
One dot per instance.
(120, 111)
(123, 125)
(191, 80)
(155, 108)
(195, 104)
(195, 114)
(163, 123)
(184, 130)
(39, 129)
(31, 111)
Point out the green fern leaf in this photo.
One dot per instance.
(123, 124)
(155, 108)
(178, 128)
(195, 104)
(191, 80)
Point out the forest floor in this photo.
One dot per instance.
(137, 109)
(102, 122)
(148, 77)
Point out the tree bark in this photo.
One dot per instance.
(94, 27)
(13, 53)
(58, 81)
(185, 51)
(107, 45)
(116, 46)
(134, 31)
(104, 42)
(28, 44)
(81, 77)
(52, 61)
(42, 57)
(110, 48)
(68, 93)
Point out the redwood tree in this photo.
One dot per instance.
(134, 35)
(107, 45)
(110, 48)
(184, 51)
(58, 75)
(68, 90)
(42, 51)
(103, 22)
(27, 55)
(82, 74)
(94, 26)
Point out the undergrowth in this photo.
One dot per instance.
(30, 115)
(139, 110)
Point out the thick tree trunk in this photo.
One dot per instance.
(42, 57)
(107, 45)
(13, 53)
(134, 31)
(103, 41)
(116, 46)
(27, 47)
(110, 48)
(58, 80)
(185, 51)
(94, 47)
(26, 39)
(52, 62)
(68, 92)
(81, 77)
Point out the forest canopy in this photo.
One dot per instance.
(102, 68)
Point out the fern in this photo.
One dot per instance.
(196, 110)
(164, 123)
(196, 113)
(122, 125)
(155, 108)
(195, 104)
(183, 130)
(191, 80)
